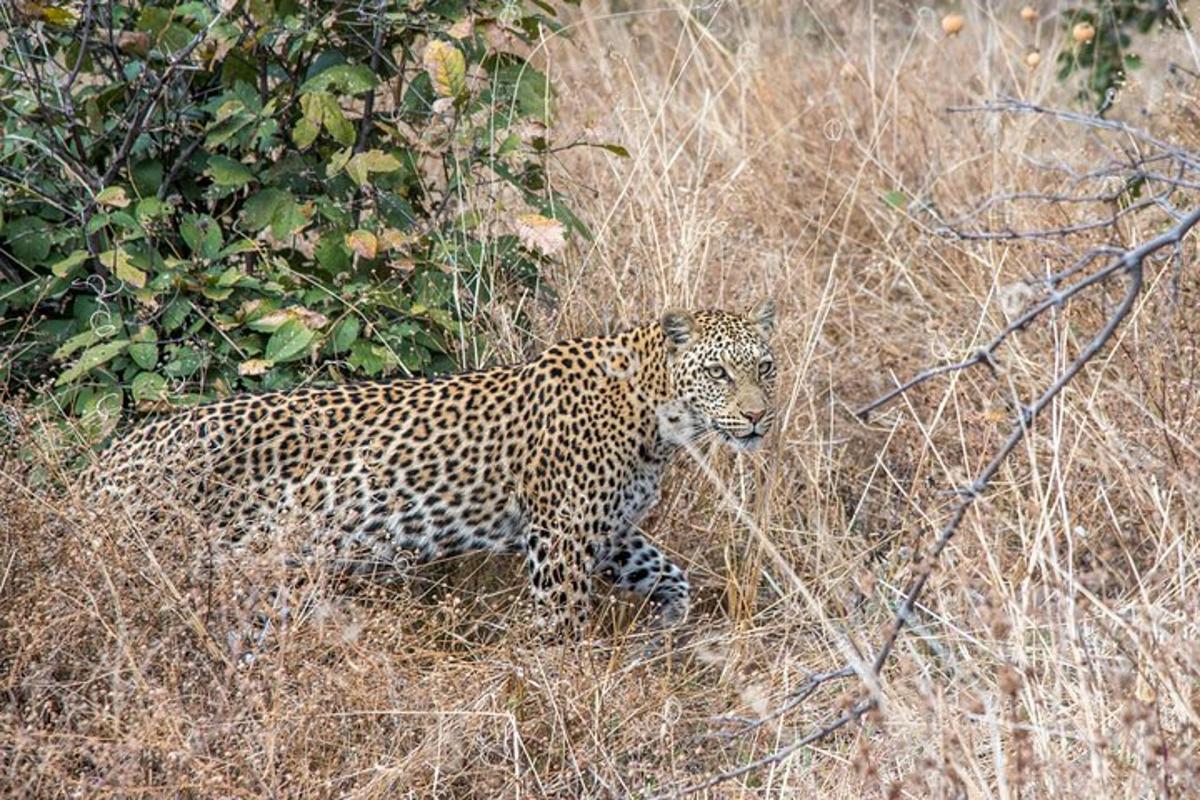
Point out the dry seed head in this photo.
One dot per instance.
(1029, 14)
(1083, 33)
(1009, 680)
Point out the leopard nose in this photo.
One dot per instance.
(754, 414)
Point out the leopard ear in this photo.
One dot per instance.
(678, 325)
(763, 315)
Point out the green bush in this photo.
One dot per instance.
(1105, 59)
(197, 197)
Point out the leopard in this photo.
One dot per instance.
(558, 459)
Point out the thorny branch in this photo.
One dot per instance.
(1118, 263)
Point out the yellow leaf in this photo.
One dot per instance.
(113, 197)
(392, 239)
(446, 67)
(360, 167)
(62, 17)
(540, 234)
(118, 261)
(363, 243)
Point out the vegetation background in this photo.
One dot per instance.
(773, 148)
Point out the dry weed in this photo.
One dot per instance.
(1056, 652)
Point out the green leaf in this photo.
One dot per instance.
(509, 145)
(147, 177)
(92, 357)
(151, 208)
(305, 132)
(562, 212)
(28, 239)
(261, 11)
(338, 161)
(321, 110)
(350, 78)
(166, 34)
(290, 341)
(371, 358)
(223, 130)
(229, 277)
(202, 234)
(332, 253)
(524, 89)
(533, 94)
(414, 357)
(64, 269)
(615, 149)
(227, 172)
(79, 340)
(360, 166)
(345, 333)
(175, 314)
(338, 126)
(184, 362)
(276, 208)
(144, 354)
(896, 199)
(148, 386)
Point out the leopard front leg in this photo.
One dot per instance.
(634, 564)
(559, 578)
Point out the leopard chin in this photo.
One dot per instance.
(746, 443)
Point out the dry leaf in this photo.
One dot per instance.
(113, 197)
(311, 319)
(1144, 691)
(253, 366)
(273, 319)
(363, 243)
(308, 317)
(136, 42)
(392, 239)
(541, 234)
(462, 29)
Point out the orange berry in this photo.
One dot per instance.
(953, 23)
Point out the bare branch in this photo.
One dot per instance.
(796, 697)
(853, 715)
(1011, 106)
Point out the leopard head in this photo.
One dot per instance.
(723, 373)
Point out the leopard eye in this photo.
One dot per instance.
(765, 367)
(717, 372)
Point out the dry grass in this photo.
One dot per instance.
(1056, 653)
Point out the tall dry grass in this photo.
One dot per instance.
(1056, 653)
